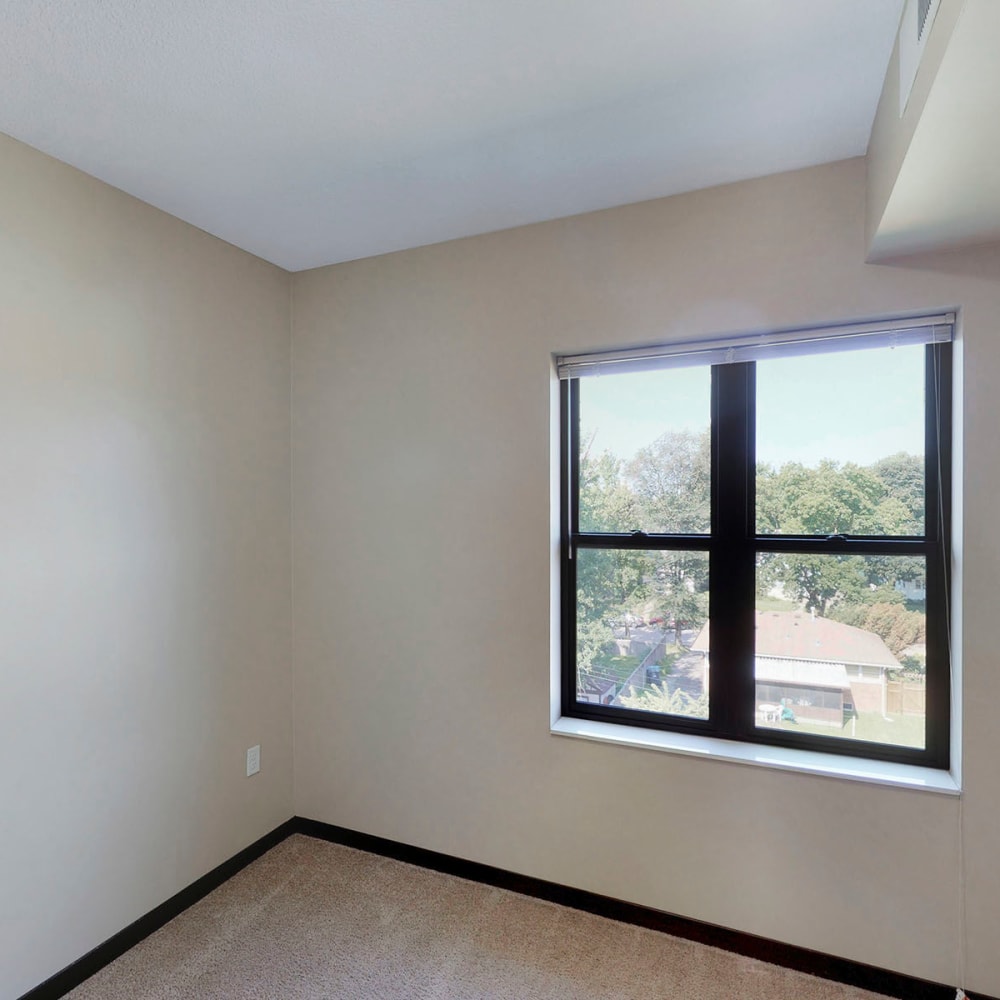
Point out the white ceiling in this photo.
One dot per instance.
(315, 131)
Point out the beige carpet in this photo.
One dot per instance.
(315, 920)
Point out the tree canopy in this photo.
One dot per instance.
(885, 498)
(666, 487)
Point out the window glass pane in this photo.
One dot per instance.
(840, 443)
(642, 636)
(645, 452)
(840, 646)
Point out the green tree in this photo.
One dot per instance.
(814, 580)
(657, 698)
(678, 588)
(828, 500)
(609, 581)
(606, 501)
(838, 499)
(903, 478)
(671, 480)
(897, 627)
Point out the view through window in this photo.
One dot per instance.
(757, 550)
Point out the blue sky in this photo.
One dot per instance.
(857, 406)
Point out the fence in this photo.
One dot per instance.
(905, 698)
(637, 679)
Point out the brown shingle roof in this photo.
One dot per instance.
(799, 636)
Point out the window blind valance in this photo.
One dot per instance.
(755, 347)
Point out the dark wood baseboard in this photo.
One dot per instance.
(104, 954)
(841, 970)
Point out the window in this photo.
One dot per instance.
(756, 538)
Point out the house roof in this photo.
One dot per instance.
(796, 635)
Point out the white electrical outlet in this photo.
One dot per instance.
(253, 760)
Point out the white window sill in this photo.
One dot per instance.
(826, 765)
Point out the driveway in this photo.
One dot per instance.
(687, 675)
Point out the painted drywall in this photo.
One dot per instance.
(422, 550)
(145, 578)
(947, 193)
(892, 132)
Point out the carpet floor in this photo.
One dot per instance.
(312, 920)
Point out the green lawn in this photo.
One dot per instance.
(775, 604)
(619, 667)
(903, 730)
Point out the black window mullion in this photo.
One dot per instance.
(845, 546)
(937, 391)
(938, 663)
(570, 393)
(731, 561)
(569, 507)
(640, 541)
(938, 529)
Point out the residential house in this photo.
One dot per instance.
(822, 669)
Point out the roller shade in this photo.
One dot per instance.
(759, 346)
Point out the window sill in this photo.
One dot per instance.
(825, 765)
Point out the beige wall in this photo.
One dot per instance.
(421, 455)
(144, 431)
(145, 577)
